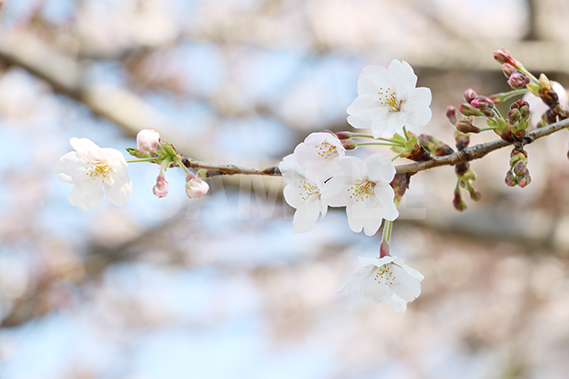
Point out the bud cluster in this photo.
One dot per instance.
(518, 174)
(150, 147)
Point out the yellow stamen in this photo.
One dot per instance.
(389, 100)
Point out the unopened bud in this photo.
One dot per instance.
(161, 187)
(514, 116)
(343, 135)
(508, 70)
(468, 110)
(519, 169)
(195, 187)
(462, 140)
(457, 201)
(481, 102)
(466, 126)
(348, 144)
(147, 140)
(489, 113)
(510, 179)
(469, 95)
(451, 114)
(504, 56)
(518, 80)
(526, 180)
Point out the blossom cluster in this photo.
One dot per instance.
(98, 172)
(320, 175)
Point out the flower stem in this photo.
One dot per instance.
(151, 159)
(395, 157)
(405, 133)
(380, 144)
(363, 136)
(386, 238)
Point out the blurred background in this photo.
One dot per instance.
(220, 287)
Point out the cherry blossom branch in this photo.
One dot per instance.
(480, 150)
(466, 155)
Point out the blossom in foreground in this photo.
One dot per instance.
(195, 187)
(147, 140)
(538, 107)
(386, 279)
(363, 187)
(388, 100)
(95, 172)
(316, 154)
(302, 193)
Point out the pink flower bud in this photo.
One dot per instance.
(518, 80)
(344, 135)
(508, 70)
(451, 114)
(504, 56)
(466, 126)
(481, 102)
(510, 179)
(147, 140)
(348, 144)
(469, 95)
(161, 187)
(195, 187)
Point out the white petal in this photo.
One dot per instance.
(350, 167)
(121, 189)
(377, 262)
(379, 168)
(87, 149)
(404, 285)
(291, 170)
(360, 121)
(357, 279)
(70, 167)
(378, 74)
(386, 123)
(364, 104)
(417, 108)
(360, 216)
(335, 192)
(414, 273)
(305, 216)
(366, 86)
(398, 303)
(403, 74)
(87, 193)
(375, 292)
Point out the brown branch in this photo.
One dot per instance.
(466, 155)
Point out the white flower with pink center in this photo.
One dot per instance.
(95, 172)
(363, 187)
(316, 154)
(388, 100)
(302, 193)
(386, 279)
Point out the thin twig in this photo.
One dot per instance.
(466, 155)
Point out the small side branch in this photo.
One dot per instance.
(466, 155)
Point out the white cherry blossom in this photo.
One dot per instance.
(363, 187)
(316, 154)
(95, 172)
(303, 193)
(388, 100)
(386, 279)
